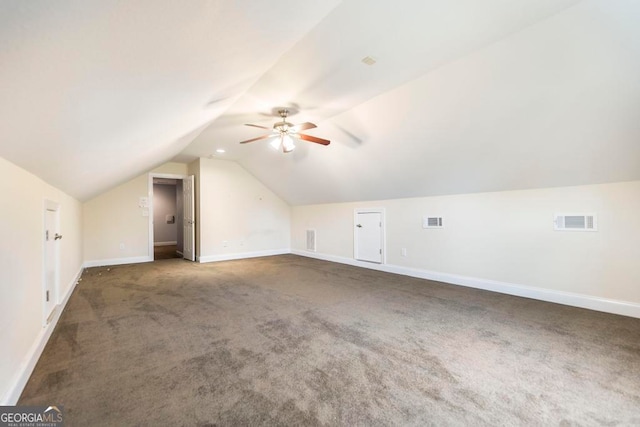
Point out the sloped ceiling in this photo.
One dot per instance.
(97, 92)
(465, 96)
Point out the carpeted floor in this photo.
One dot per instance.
(288, 340)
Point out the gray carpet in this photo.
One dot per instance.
(288, 340)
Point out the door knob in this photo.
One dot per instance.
(359, 225)
(57, 236)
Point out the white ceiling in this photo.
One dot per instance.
(465, 96)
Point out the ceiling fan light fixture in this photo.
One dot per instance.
(276, 143)
(287, 144)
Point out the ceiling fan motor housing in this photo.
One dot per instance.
(282, 127)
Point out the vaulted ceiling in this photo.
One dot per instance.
(464, 96)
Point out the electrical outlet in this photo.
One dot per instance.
(403, 252)
(225, 243)
(121, 246)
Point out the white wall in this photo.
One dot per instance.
(21, 270)
(239, 216)
(164, 203)
(114, 218)
(505, 237)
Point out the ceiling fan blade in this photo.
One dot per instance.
(256, 139)
(314, 139)
(304, 126)
(257, 126)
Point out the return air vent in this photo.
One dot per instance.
(432, 222)
(575, 222)
(311, 240)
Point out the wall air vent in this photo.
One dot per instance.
(311, 240)
(432, 222)
(575, 222)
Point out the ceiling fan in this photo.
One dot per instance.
(284, 133)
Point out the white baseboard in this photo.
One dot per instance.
(243, 255)
(624, 308)
(117, 261)
(29, 362)
(164, 243)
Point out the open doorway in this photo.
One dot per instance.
(167, 235)
(171, 217)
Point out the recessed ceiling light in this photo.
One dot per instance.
(221, 150)
(368, 60)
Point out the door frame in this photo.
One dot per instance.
(383, 230)
(50, 205)
(150, 207)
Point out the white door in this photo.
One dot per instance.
(368, 236)
(51, 238)
(189, 250)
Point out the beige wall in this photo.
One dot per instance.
(238, 214)
(231, 206)
(21, 266)
(114, 218)
(503, 236)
